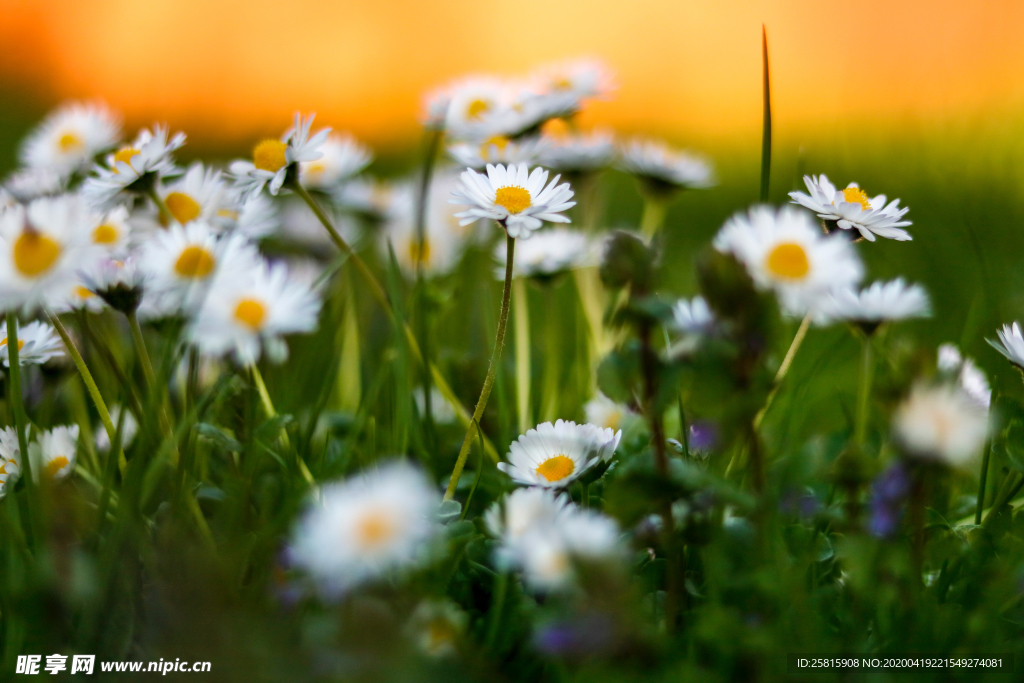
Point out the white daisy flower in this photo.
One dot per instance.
(665, 168)
(548, 253)
(37, 343)
(692, 315)
(473, 104)
(579, 153)
(112, 230)
(53, 453)
(547, 557)
(443, 238)
(367, 526)
(583, 78)
(257, 217)
(69, 138)
(968, 375)
(32, 183)
(513, 196)
(201, 194)
(343, 157)
(435, 626)
(530, 108)
(128, 431)
(10, 459)
(118, 282)
(880, 302)
(523, 510)
(606, 413)
(1010, 344)
(785, 251)
(496, 150)
(250, 307)
(41, 246)
(134, 168)
(555, 455)
(273, 159)
(941, 423)
(852, 209)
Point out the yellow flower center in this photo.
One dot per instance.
(788, 260)
(314, 170)
(499, 142)
(250, 312)
(556, 468)
(82, 293)
(418, 255)
(561, 83)
(228, 213)
(375, 529)
(35, 253)
(513, 198)
(124, 154)
(269, 155)
(439, 634)
(194, 262)
(855, 195)
(21, 343)
(613, 420)
(70, 142)
(476, 109)
(182, 207)
(105, 234)
(54, 466)
(3, 467)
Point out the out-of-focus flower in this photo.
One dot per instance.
(272, 159)
(1010, 344)
(342, 158)
(133, 169)
(369, 197)
(32, 183)
(579, 153)
(128, 431)
(257, 217)
(473, 103)
(548, 253)
(118, 283)
(583, 78)
(53, 453)
(881, 302)
(201, 194)
(663, 169)
(70, 137)
(436, 626)
(443, 238)
(605, 413)
(784, 251)
(367, 526)
(852, 209)
(692, 316)
(250, 307)
(555, 455)
(513, 196)
(523, 510)
(941, 424)
(586, 635)
(970, 377)
(112, 231)
(703, 437)
(37, 343)
(496, 150)
(440, 410)
(10, 459)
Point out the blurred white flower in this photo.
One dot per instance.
(473, 104)
(583, 78)
(1010, 344)
(496, 150)
(548, 253)
(118, 283)
(133, 169)
(257, 217)
(200, 194)
(942, 424)
(128, 431)
(441, 410)
(37, 343)
(970, 377)
(692, 316)
(852, 209)
(112, 231)
(27, 184)
(880, 302)
(272, 159)
(367, 526)
(555, 455)
(53, 453)
(435, 626)
(513, 196)
(10, 459)
(70, 137)
(443, 238)
(343, 157)
(657, 163)
(579, 152)
(605, 413)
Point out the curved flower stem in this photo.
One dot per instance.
(161, 205)
(653, 216)
(140, 351)
(90, 383)
(523, 370)
(863, 393)
(794, 346)
(268, 407)
(492, 369)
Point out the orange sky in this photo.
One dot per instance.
(688, 67)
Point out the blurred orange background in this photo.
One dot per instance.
(226, 70)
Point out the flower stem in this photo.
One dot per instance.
(863, 393)
(161, 205)
(492, 369)
(18, 408)
(653, 216)
(140, 351)
(983, 480)
(268, 407)
(523, 369)
(90, 383)
(794, 346)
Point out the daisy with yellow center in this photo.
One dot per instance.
(133, 169)
(249, 308)
(70, 137)
(852, 209)
(273, 159)
(10, 459)
(369, 526)
(942, 423)
(472, 107)
(663, 169)
(343, 158)
(514, 196)
(584, 78)
(112, 231)
(200, 194)
(496, 150)
(37, 343)
(443, 239)
(555, 455)
(783, 250)
(53, 453)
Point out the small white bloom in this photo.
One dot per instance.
(513, 518)
(118, 283)
(128, 431)
(435, 627)
(441, 410)
(362, 195)
(435, 108)
(692, 315)
(367, 526)
(37, 343)
(970, 377)
(443, 237)
(496, 150)
(880, 302)
(112, 231)
(657, 163)
(606, 413)
(513, 196)
(579, 153)
(1010, 344)
(942, 423)
(548, 253)
(70, 137)
(343, 157)
(258, 217)
(272, 159)
(555, 455)
(32, 183)
(200, 194)
(131, 169)
(53, 453)
(301, 226)
(10, 459)
(472, 106)
(530, 108)
(852, 209)
(785, 251)
(250, 307)
(584, 78)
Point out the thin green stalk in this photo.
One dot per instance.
(90, 383)
(14, 399)
(1011, 485)
(268, 407)
(983, 480)
(653, 217)
(794, 346)
(585, 495)
(863, 393)
(523, 369)
(161, 205)
(141, 352)
(766, 129)
(497, 607)
(492, 369)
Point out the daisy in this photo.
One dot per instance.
(548, 556)
(496, 150)
(941, 424)
(531, 108)
(10, 459)
(257, 217)
(32, 183)
(442, 238)
(968, 375)
(70, 137)
(251, 307)
(473, 105)
(1010, 344)
(881, 302)
(548, 253)
(78, 298)
(579, 153)
(200, 194)
(852, 209)
(37, 343)
(783, 250)
(133, 169)
(663, 169)
(555, 455)
(692, 316)
(112, 231)
(273, 159)
(41, 246)
(53, 453)
(128, 431)
(583, 78)
(367, 526)
(513, 196)
(435, 626)
(605, 413)
(512, 519)
(118, 283)
(343, 157)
